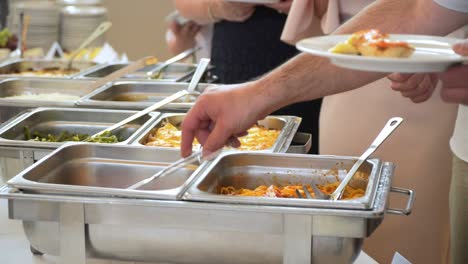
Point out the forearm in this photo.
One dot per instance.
(194, 10)
(307, 77)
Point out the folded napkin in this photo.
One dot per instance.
(302, 21)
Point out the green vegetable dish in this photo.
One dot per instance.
(106, 137)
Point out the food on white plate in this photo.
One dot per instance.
(373, 43)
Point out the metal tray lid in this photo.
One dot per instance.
(79, 120)
(250, 170)
(105, 171)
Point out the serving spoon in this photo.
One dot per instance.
(388, 129)
(156, 71)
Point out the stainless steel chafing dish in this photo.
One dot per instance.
(249, 170)
(137, 95)
(20, 86)
(288, 126)
(76, 226)
(56, 120)
(176, 72)
(22, 65)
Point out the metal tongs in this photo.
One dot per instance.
(391, 125)
(190, 91)
(195, 156)
(156, 71)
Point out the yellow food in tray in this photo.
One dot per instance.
(373, 43)
(289, 191)
(46, 72)
(258, 137)
(166, 136)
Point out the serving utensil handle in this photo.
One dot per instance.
(388, 129)
(101, 29)
(201, 68)
(176, 58)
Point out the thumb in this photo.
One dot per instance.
(461, 47)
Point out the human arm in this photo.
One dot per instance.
(219, 115)
(209, 11)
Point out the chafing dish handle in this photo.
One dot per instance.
(409, 204)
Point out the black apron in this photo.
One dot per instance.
(243, 51)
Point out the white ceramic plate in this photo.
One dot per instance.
(256, 1)
(432, 54)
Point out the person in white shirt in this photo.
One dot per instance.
(454, 90)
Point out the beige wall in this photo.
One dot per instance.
(139, 27)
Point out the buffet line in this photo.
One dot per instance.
(245, 206)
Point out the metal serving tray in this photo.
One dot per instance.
(175, 72)
(56, 120)
(20, 86)
(103, 170)
(76, 227)
(287, 124)
(23, 64)
(137, 95)
(250, 170)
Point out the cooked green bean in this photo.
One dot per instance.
(64, 136)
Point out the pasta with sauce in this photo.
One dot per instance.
(289, 191)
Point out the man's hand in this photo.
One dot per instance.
(455, 80)
(417, 87)
(220, 115)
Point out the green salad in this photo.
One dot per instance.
(106, 137)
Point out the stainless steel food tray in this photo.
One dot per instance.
(56, 120)
(100, 170)
(137, 95)
(287, 124)
(175, 72)
(250, 170)
(76, 227)
(24, 64)
(19, 86)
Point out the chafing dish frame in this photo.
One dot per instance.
(75, 227)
